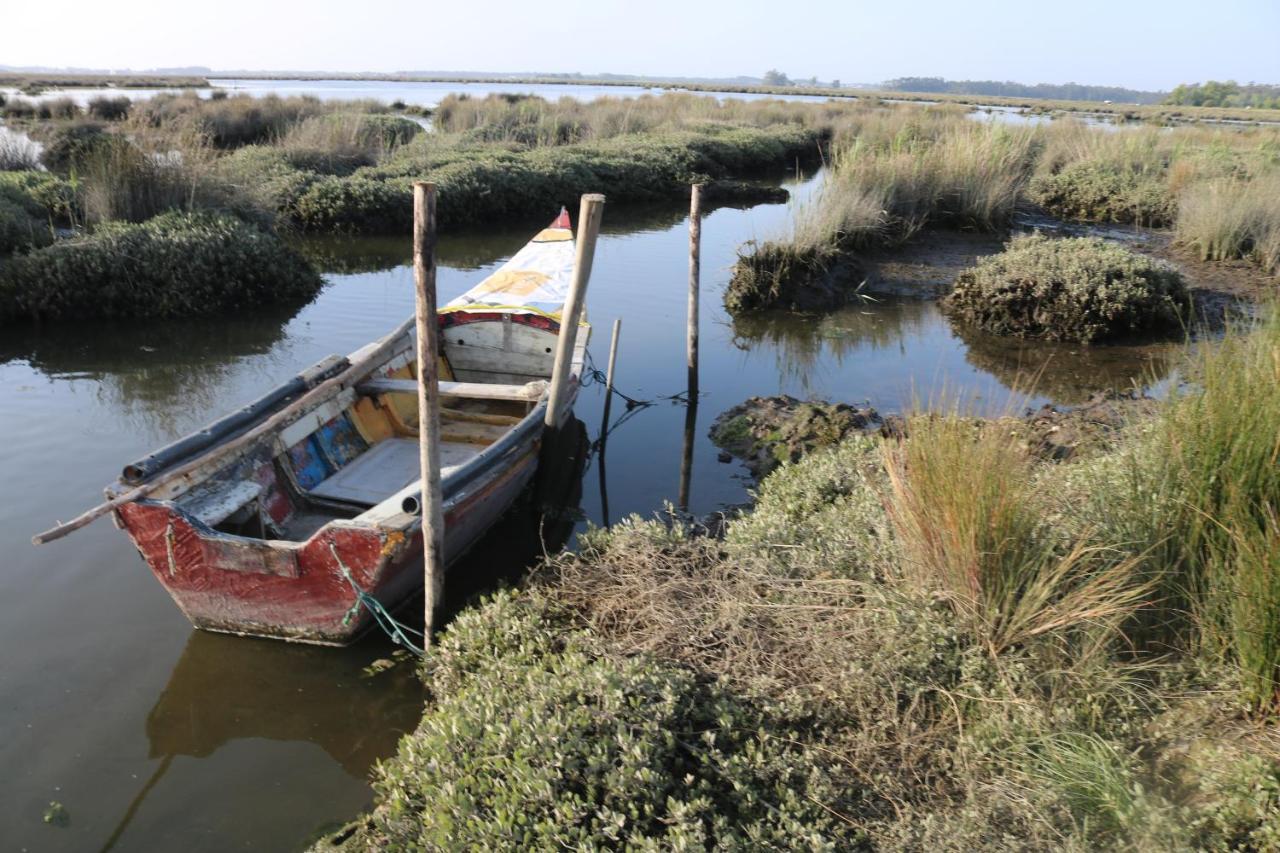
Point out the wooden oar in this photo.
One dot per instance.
(347, 377)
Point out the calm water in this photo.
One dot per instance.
(156, 737)
(387, 91)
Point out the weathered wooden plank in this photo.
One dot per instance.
(472, 390)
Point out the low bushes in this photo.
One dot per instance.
(1078, 289)
(540, 740)
(862, 662)
(226, 122)
(175, 265)
(19, 229)
(109, 109)
(42, 195)
(67, 145)
(1101, 192)
(488, 183)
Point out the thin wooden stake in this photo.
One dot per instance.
(608, 377)
(695, 270)
(589, 214)
(604, 421)
(424, 279)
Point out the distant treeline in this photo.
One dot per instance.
(1227, 94)
(1008, 89)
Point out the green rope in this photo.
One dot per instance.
(397, 631)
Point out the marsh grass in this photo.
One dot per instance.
(532, 122)
(119, 181)
(891, 174)
(1222, 447)
(234, 121)
(1097, 784)
(914, 635)
(1229, 218)
(963, 504)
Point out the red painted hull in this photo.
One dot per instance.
(299, 590)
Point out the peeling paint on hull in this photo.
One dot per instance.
(296, 590)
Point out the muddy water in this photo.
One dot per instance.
(155, 737)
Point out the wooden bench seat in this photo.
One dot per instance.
(528, 393)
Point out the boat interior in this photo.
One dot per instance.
(352, 456)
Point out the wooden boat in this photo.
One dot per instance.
(276, 536)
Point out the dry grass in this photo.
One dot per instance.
(963, 504)
(1229, 218)
(536, 122)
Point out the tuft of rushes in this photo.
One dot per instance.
(963, 504)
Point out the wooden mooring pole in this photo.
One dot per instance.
(604, 421)
(608, 378)
(589, 214)
(695, 271)
(424, 279)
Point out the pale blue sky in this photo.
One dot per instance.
(1139, 43)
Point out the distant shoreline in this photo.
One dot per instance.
(1160, 113)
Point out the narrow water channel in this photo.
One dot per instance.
(153, 736)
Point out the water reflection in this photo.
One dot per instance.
(1068, 374)
(342, 254)
(686, 454)
(226, 688)
(805, 345)
(154, 374)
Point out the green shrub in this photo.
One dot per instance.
(489, 183)
(68, 145)
(110, 109)
(175, 265)
(41, 194)
(1106, 192)
(19, 229)
(264, 181)
(1069, 290)
(17, 108)
(536, 741)
(57, 108)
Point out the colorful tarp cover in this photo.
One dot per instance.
(534, 281)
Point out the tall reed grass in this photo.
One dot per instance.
(532, 121)
(1221, 447)
(119, 181)
(963, 504)
(1229, 218)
